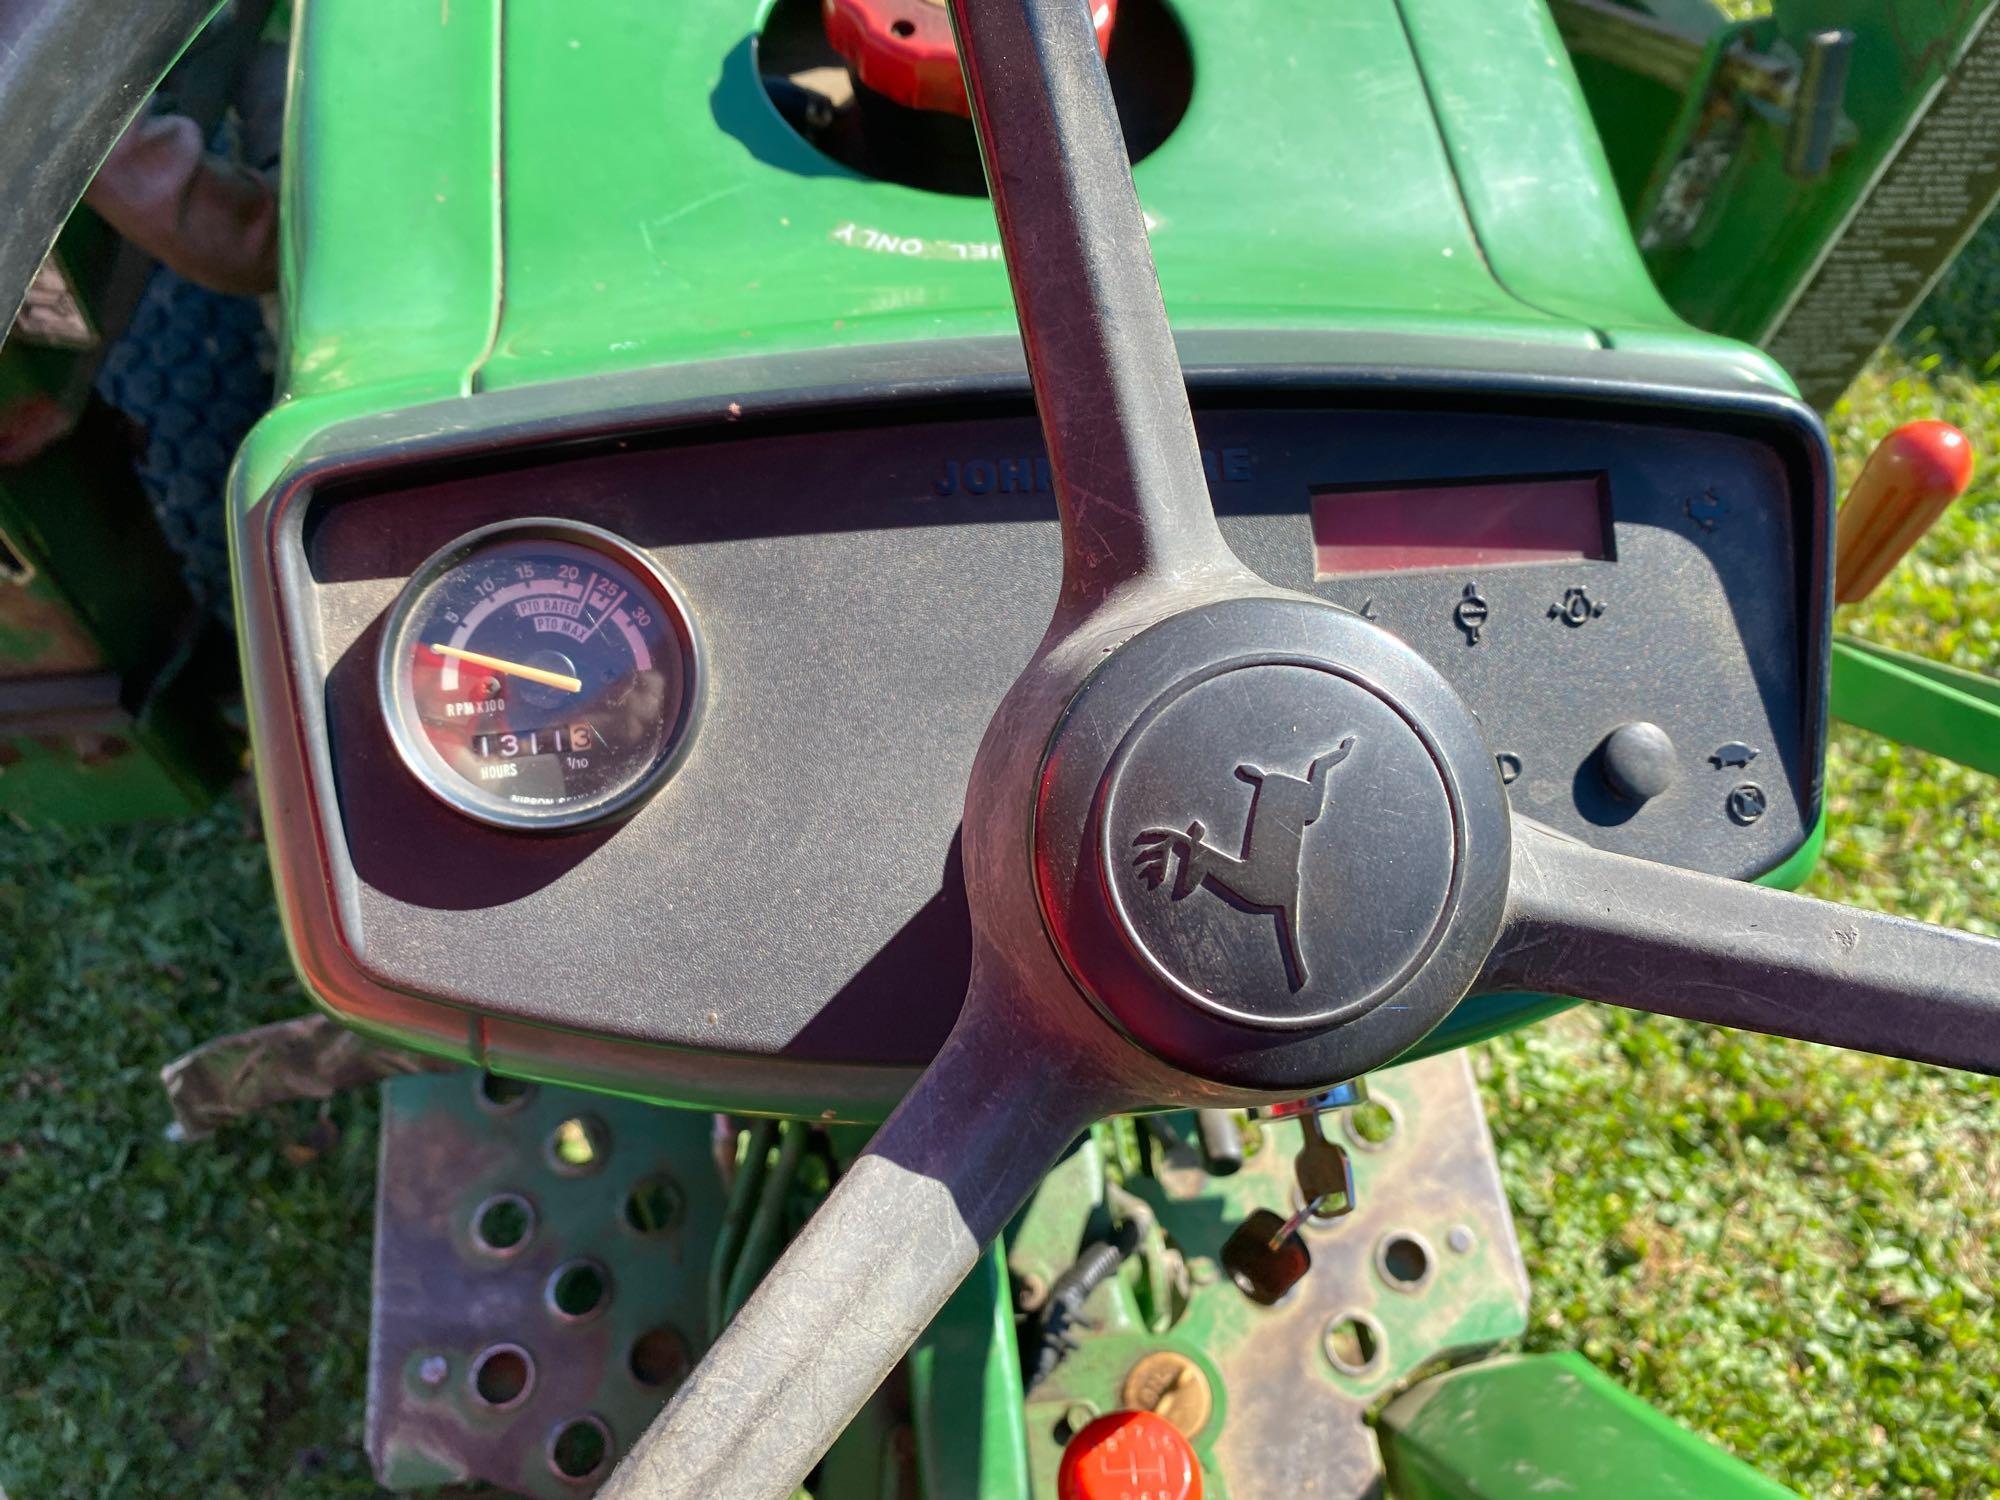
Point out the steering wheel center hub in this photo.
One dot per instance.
(1239, 831)
(1270, 843)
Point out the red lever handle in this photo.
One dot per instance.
(1916, 471)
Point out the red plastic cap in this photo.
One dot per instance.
(903, 49)
(1129, 1455)
(1933, 454)
(1909, 480)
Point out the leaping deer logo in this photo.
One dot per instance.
(1265, 876)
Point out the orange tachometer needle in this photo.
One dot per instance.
(513, 669)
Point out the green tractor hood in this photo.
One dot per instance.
(486, 196)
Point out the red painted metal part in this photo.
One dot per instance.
(903, 49)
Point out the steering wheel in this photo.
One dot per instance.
(1384, 867)
(1380, 844)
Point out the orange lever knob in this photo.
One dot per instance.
(1916, 471)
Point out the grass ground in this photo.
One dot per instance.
(1793, 1249)
(1790, 1249)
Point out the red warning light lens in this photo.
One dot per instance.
(1469, 524)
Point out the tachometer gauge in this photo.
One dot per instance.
(540, 674)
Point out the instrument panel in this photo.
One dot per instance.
(540, 674)
(764, 863)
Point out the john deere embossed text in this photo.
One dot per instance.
(1265, 876)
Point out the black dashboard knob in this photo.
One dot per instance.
(1637, 760)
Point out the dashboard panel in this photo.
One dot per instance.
(864, 584)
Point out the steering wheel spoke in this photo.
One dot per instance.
(50, 56)
(895, 1237)
(1108, 383)
(1650, 937)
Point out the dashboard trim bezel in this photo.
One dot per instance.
(317, 882)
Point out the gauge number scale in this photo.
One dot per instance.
(540, 674)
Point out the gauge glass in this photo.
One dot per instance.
(540, 674)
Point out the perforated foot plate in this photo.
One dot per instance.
(541, 1259)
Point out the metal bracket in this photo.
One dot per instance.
(1942, 709)
(1426, 1267)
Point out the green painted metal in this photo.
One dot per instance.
(1068, 1205)
(111, 681)
(484, 197)
(1643, 118)
(685, 220)
(965, 1393)
(1535, 1425)
(1766, 228)
(1069, 1210)
(764, 1240)
(390, 258)
(49, 782)
(1504, 93)
(1819, 253)
(870, 1460)
(1945, 710)
(1338, 168)
(977, 1437)
(1687, 113)
(77, 518)
(752, 1158)
(1089, 1381)
(1213, 1325)
(93, 611)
